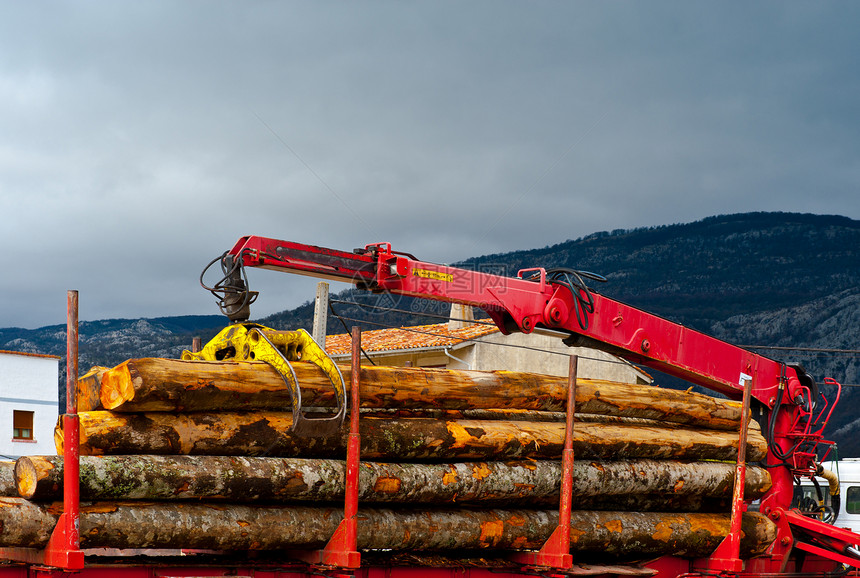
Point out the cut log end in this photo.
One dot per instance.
(89, 388)
(31, 470)
(116, 387)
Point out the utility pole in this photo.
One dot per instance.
(320, 314)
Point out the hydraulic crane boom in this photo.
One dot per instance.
(560, 301)
(534, 300)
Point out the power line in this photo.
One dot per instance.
(480, 322)
(809, 349)
(365, 306)
(513, 345)
(343, 322)
(313, 172)
(477, 340)
(414, 313)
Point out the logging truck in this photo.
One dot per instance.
(750, 529)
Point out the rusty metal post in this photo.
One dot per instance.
(71, 428)
(354, 446)
(72, 352)
(567, 459)
(738, 506)
(63, 549)
(555, 552)
(727, 555)
(342, 549)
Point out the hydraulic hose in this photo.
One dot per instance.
(833, 483)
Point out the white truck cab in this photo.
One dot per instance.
(847, 511)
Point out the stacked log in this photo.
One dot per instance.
(242, 527)
(213, 408)
(205, 450)
(237, 478)
(155, 384)
(257, 433)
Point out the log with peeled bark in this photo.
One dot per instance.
(267, 434)
(241, 527)
(155, 384)
(242, 479)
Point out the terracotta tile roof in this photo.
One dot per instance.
(417, 337)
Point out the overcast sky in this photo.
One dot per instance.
(139, 140)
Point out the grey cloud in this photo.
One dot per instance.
(139, 140)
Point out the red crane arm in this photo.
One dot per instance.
(529, 301)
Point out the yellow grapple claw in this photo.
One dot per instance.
(254, 342)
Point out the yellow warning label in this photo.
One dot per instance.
(435, 275)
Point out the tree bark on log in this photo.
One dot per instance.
(267, 434)
(8, 487)
(238, 527)
(243, 479)
(25, 523)
(154, 384)
(516, 415)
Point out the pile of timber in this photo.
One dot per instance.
(196, 454)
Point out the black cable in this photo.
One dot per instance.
(234, 281)
(583, 299)
(807, 349)
(771, 466)
(771, 426)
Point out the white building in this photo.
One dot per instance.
(28, 403)
(460, 344)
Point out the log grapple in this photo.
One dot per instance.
(254, 342)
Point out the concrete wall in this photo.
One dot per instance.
(28, 383)
(517, 352)
(520, 352)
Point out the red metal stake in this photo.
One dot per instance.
(555, 552)
(63, 548)
(727, 555)
(342, 549)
